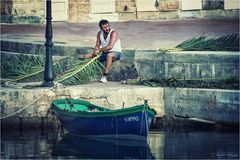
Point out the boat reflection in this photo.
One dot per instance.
(101, 148)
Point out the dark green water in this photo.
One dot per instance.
(161, 145)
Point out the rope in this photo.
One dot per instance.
(11, 114)
(56, 86)
(141, 123)
(146, 119)
(116, 127)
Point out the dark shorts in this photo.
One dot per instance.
(103, 57)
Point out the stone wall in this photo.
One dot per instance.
(29, 11)
(6, 11)
(151, 64)
(213, 104)
(112, 95)
(168, 5)
(186, 64)
(126, 9)
(217, 105)
(23, 11)
(79, 10)
(210, 104)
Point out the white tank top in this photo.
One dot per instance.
(105, 42)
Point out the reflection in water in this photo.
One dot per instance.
(30, 144)
(101, 148)
(163, 145)
(157, 142)
(201, 145)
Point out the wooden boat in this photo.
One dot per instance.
(83, 118)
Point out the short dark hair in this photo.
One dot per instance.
(102, 22)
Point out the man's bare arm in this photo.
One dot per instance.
(97, 46)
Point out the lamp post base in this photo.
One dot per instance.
(47, 84)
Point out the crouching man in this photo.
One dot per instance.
(108, 42)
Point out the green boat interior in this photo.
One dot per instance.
(79, 105)
(76, 107)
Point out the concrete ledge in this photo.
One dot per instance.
(36, 47)
(187, 64)
(221, 106)
(209, 104)
(112, 95)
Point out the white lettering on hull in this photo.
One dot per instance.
(131, 119)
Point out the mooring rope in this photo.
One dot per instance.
(116, 127)
(141, 123)
(56, 86)
(11, 114)
(146, 119)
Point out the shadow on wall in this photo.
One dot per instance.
(6, 11)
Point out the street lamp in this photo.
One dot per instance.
(48, 72)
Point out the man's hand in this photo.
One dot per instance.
(96, 52)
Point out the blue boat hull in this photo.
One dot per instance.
(134, 125)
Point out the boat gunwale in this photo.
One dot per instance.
(104, 113)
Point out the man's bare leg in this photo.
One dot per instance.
(110, 59)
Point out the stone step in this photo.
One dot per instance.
(151, 64)
(8, 54)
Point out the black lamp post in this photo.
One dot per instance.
(48, 72)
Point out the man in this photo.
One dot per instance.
(109, 43)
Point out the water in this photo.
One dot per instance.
(161, 145)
